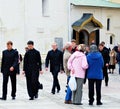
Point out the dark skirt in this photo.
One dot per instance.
(111, 67)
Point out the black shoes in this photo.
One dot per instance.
(99, 103)
(58, 91)
(32, 98)
(36, 96)
(90, 104)
(3, 98)
(53, 93)
(77, 103)
(13, 98)
(106, 84)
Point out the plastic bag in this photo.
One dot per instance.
(72, 83)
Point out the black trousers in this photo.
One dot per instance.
(6, 76)
(105, 73)
(91, 85)
(55, 81)
(32, 83)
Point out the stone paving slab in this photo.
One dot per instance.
(110, 95)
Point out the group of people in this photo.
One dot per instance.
(80, 61)
(32, 67)
(91, 62)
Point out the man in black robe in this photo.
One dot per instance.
(105, 53)
(9, 68)
(32, 66)
(55, 57)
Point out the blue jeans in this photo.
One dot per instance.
(69, 92)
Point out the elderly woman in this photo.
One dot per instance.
(77, 63)
(95, 74)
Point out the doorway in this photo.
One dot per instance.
(83, 37)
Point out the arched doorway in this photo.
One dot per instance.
(83, 37)
(86, 29)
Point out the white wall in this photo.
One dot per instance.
(23, 21)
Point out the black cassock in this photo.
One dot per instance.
(32, 66)
(9, 59)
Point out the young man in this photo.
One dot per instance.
(106, 59)
(74, 45)
(32, 67)
(55, 57)
(9, 68)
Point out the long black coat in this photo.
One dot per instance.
(9, 59)
(56, 60)
(32, 62)
(105, 54)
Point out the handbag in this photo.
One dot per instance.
(72, 83)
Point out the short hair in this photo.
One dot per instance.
(9, 43)
(93, 48)
(101, 45)
(67, 45)
(54, 43)
(73, 40)
(30, 43)
(81, 47)
(103, 42)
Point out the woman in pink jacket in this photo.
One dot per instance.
(77, 63)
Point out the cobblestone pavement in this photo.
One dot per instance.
(110, 95)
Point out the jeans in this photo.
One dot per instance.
(69, 92)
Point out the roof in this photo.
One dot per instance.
(86, 19)
(95, 3)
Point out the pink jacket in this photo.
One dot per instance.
(78, 63)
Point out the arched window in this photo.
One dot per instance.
(108, 24)
(111, 40)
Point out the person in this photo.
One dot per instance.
(87, 50)
(74, 45)
(93, 42)
(26, 49)
(66, 56)
(104, 47)
(19, 62)
(95, 74)
(118, 57)
(77, 63)
(9, 69)
(106, 59)
(112, 61)
(55, 57)
(32, 65)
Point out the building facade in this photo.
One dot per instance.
(43, 21)
(95, 20)
(46, 21)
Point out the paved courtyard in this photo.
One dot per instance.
(110, 95)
